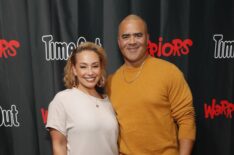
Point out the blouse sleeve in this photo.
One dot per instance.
(57, 116)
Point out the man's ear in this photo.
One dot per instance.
(118, 41)
(147, 37)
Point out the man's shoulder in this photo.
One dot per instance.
(116, 73)
(163, 67)
(161, 63)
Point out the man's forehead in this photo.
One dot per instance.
(131, 30)
(131, 33)
(131, 22)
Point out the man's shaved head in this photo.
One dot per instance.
(133, 40)
(134, 17)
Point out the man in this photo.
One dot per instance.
(152, 100)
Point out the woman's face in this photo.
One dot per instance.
(87, 69)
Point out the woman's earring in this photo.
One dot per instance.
(101, 82)
(75, 82)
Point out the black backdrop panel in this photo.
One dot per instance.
(36, 38)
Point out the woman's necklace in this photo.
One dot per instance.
(136, 76)
(92, 98)
(96, 103)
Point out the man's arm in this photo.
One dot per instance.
(183, 112)
(185, 146)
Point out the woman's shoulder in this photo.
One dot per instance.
(63, 94)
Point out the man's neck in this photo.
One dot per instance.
(137, 63)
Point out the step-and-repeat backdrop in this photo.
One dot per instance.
(37, 37)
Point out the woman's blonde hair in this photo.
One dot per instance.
(70, 79)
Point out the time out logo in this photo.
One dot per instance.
(9, 117)
(55, 50)
(224, 49)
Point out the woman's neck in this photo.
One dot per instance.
(91, 92)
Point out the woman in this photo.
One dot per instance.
(81, 121)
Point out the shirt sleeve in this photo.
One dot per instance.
(108, 85)
(182, 107)
(57, 116)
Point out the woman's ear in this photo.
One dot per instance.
(74, 70)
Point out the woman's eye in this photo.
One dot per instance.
(82, 66)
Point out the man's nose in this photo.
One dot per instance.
(132, 40)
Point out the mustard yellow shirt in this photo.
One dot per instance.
(154, 110)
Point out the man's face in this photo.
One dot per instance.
(132, 40)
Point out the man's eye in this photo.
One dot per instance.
(139, 35)
(125, 36)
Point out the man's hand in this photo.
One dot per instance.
(186, 146)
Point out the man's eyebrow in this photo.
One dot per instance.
(138, 33)
(125, 35)
(128, 34)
